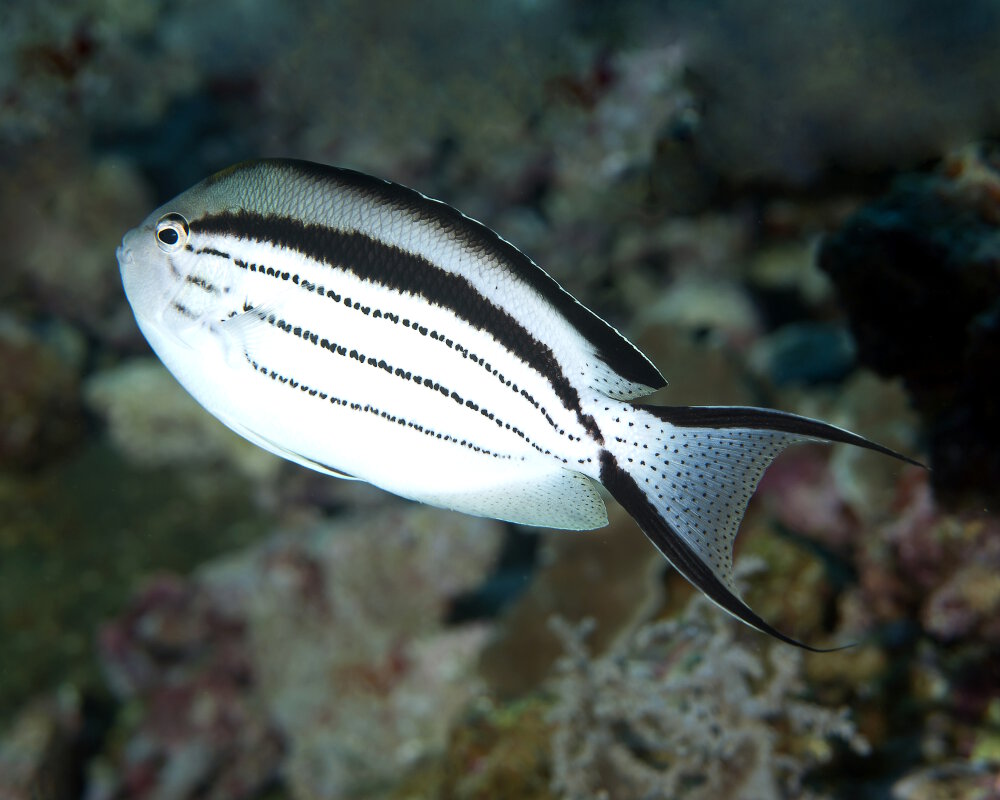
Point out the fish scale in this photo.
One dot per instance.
(361, 329)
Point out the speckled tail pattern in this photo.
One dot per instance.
(686, 475)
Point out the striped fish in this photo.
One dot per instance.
(366, 331)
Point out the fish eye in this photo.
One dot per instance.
(171, 232)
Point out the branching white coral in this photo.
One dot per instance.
(684, 710)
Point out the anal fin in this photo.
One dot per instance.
(554, 499)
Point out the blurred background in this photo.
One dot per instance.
(794, 205)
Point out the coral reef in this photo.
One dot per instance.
(320, 656)
(152, 421)
(180, 659)
(851, 85)
(624, 105)
(916, 272)
(102, 63)
(37, 749)
(944, 567)
(916, 585)
(40, 412)
(67, 209)
(76, 535)
(493, 751)
(674, 166)
(609, 576)
(684, 710)
(949, 782)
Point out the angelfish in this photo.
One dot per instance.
(364, 330)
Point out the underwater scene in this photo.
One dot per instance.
(782, 205)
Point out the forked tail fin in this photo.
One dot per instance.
(686, 474)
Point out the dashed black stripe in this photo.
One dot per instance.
(377, 313)
(396, 269)
(407, 375)
(368, 408)
(201, 283)
(211, 251)
(184, 311)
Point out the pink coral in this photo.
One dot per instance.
(320, 656)
(801, 490)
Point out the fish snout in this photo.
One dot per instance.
(124, 255)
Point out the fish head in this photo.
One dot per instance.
(174, 278)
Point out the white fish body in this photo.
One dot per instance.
(361, 329)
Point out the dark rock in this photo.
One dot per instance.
(806, 354)
(919, 274)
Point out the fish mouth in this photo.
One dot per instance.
(124, 256)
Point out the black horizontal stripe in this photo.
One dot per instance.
(610, 345)
(406, 273)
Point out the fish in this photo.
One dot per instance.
(359, 328)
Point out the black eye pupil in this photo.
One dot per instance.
(168, 236)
